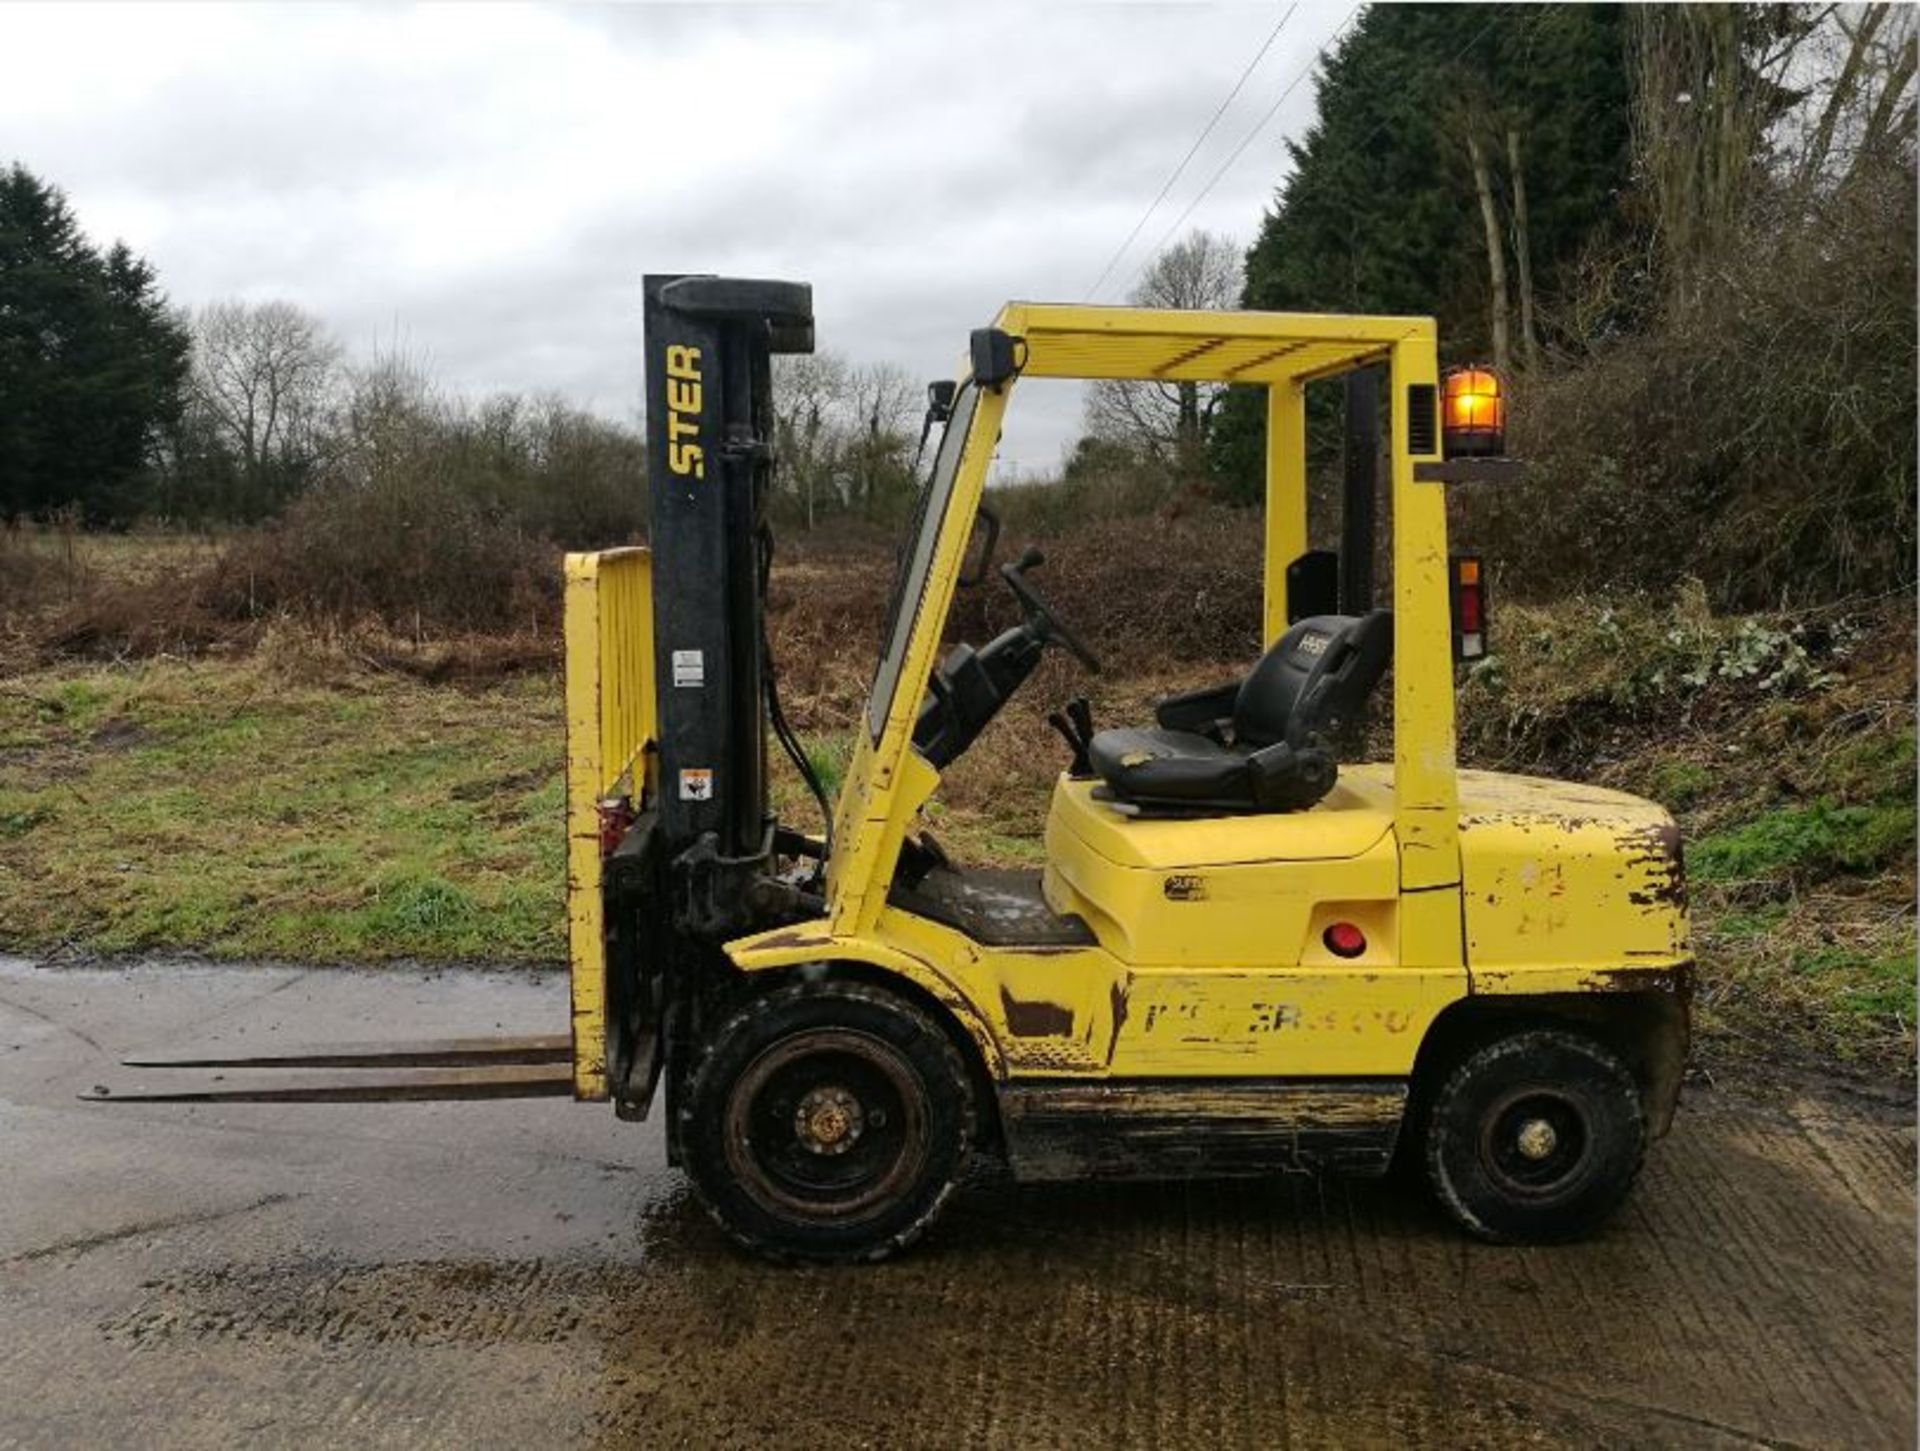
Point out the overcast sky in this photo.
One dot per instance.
(485, 185)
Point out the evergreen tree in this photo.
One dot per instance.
(92, 364)
(1381, 211)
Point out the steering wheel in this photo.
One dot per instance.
(1040, 615)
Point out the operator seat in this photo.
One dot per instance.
(1253, 745)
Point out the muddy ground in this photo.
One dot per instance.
(495, 1274)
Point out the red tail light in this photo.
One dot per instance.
(1343, 939)
(1469, 590)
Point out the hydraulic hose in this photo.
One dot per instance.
(776, 716)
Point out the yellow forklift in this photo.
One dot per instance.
(1244, 955)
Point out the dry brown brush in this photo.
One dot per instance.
(1760, 437)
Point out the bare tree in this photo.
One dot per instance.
(1710, 82)
(843, 433)
(1734, 105)
(389, 413)
(1846, 83)
(1167, 422)
(1496, 251)
(1855, 78)
(1889, 121)
(262, 373)
(1475, 121)
(1522, 247)
(807, 392)
(881, 407)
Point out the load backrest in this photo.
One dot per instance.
(1320, 671)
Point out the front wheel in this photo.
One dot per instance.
(1535, 1138)
(829, 1122)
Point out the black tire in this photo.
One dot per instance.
(1535, 1138)
(828, 1122)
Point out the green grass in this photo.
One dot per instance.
(830, 754)
(1676, 784)
(1008, 837)
(1739, 925)
(219, 808)
(1804, 911)
(1825, 975)
(1803, 843)
(1867, 985)
(1875, 766)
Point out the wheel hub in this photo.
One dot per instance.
(1536, 1139)
(1534, 1142)
(828, 1120)
(826, 1125)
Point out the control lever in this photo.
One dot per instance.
(1081, 714)
(1075, 726)
(1079, 766)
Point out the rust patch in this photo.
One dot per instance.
(1035, 1019)
(1527, 821)
(1118, 1001)
(1676, 978)
(1669, 872)
(1658, 852)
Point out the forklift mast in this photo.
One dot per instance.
(709, 347)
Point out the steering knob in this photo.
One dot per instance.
(1040, 616)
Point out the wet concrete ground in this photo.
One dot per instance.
(531, 1273)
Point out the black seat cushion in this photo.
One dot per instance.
(1269, 755)
(1171, 766)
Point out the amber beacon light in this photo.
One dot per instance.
(1473, 412)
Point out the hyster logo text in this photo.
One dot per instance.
(684, 454)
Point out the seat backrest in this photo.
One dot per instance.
(1320, 671)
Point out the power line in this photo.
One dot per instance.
(1248, 139)
(1192, 151)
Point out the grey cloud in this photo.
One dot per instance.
(487, 185)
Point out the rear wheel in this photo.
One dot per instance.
(829, 1122)
(1535, 1138)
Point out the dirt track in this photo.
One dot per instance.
(532, 1273)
